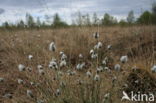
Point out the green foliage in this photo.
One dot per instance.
(108, 20)
(79, 19)
(145, 18)
(21, 24)
(57, 22)
(95, 19)
(131, 18)
(6, 24)
(154, 8)
(88, 22)
(38, 22)
(122, 22)
(30, 20)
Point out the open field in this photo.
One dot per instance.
(70, 83)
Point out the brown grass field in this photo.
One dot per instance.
(137, 42)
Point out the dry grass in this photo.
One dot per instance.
(136, 42)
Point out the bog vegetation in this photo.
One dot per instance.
(76, 65)
(83, 63)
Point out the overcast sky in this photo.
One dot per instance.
(13, 10)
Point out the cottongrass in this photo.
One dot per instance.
(71, 73)
(32, 83)
(63, 56)
(98, 46)
(117, 67)
(40, 101)
(63, 63)
(53, 64)
(96, 35)
(94, 55)
(29, 69)
(8, 95)
(80, 66)
(39, 67)
(104, 62)
(106, 98)
(1, 79)
(20, 81)
(66, 79)
(30, 94)
(153, 69)
(41, 71)
(99, 69)
(97, 77)
(124, 59)
(21, 67)
(58, 92)
(89, 73)
(109, 47)
(52, 47)
(80, 56)
(106, 69)
(30, 57)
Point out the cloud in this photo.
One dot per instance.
(2, 11)
(16, 9)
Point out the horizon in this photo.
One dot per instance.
(15, 10)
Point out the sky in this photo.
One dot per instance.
(15, 10)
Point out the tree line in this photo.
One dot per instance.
(146, 18)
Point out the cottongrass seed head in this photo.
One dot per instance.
(89, 73)
(98, 46)
(52, 47)
(1, 79)
(30, 57)
(30, 93)
(124, 59)
(21, 67)
(80, 56)
(63, 63)
(99, 69)
(109, 47)
(39, 67)
(61, 53)
(80, 66)
(153, 69)
(53, 64)
(104, 62)
(91, 51)
(58, 92)
(20, 81)
(63, 57)
(29, 69)
(96, 35)
(8, 95)
(94, 55)
(40, 101)
(97, 77)
(117, 67)
(41, 71)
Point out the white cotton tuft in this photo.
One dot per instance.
(153, 69)
(30, 94)
(97, 77)
(124, 59)
(96, 35)
(52, 46)
(63, 63)
(21, 67)
(30, 57)
(117, 67)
